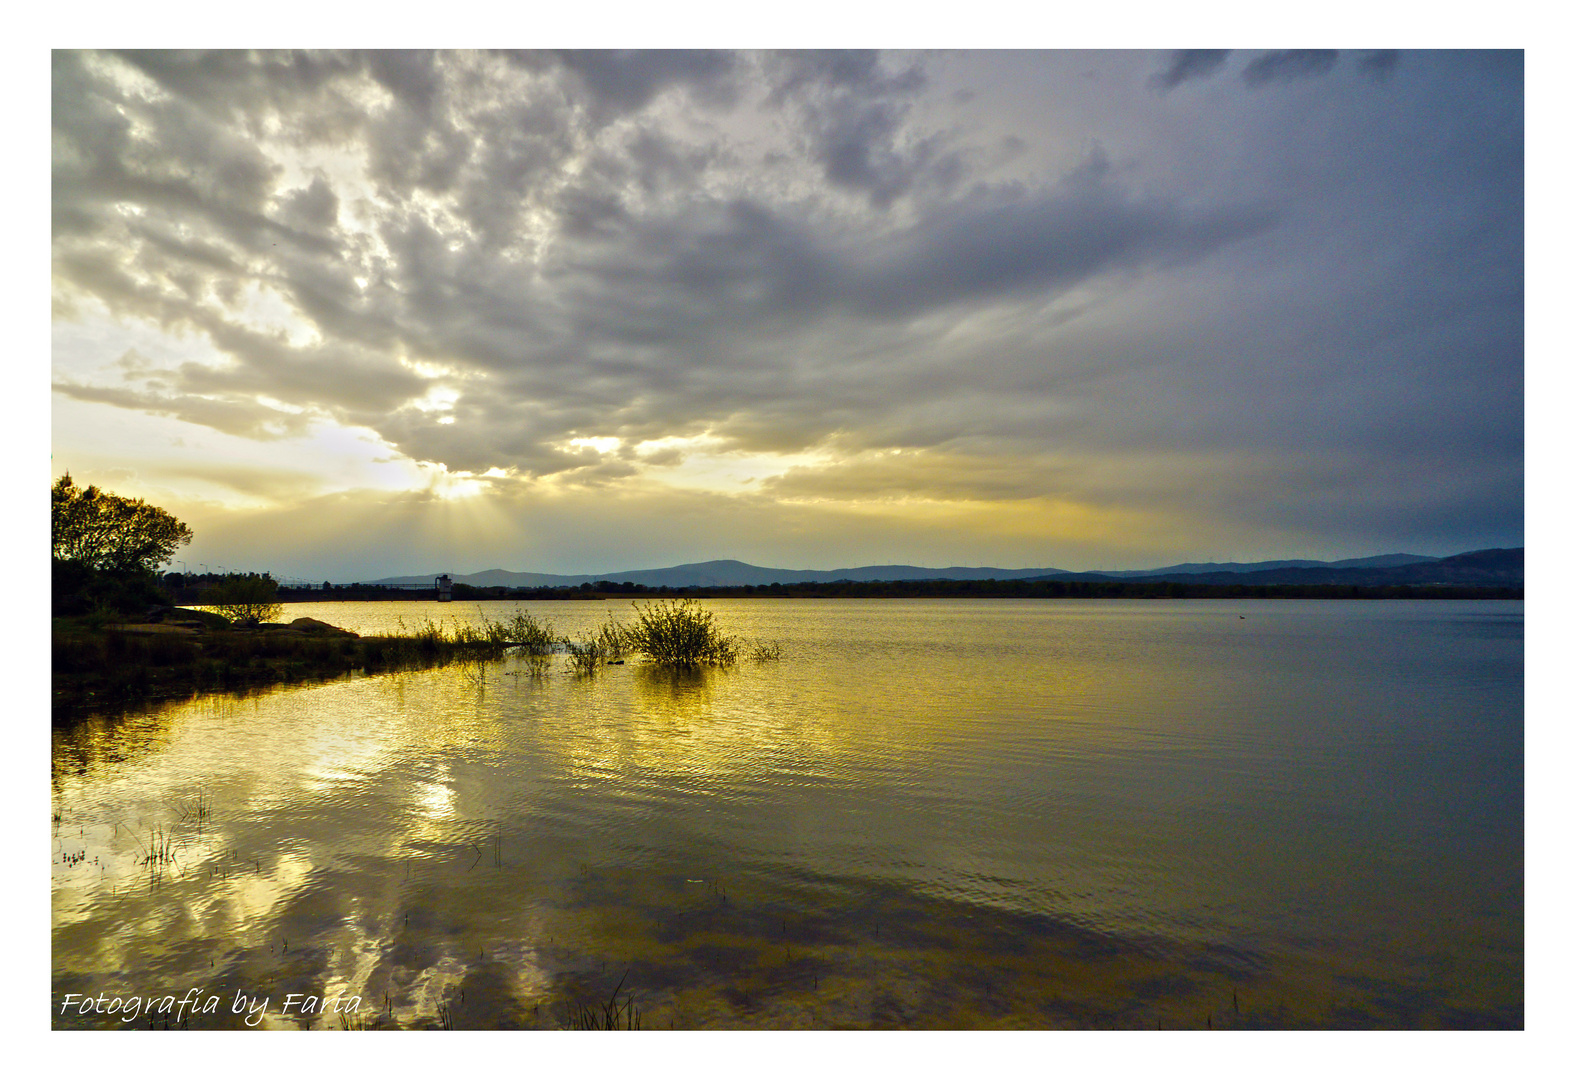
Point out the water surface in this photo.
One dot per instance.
(929, 813)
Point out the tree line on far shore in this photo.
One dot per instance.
(986, 589)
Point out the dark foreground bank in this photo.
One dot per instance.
(101, 665)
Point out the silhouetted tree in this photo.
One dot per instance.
(109, 533)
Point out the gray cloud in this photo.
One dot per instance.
(625, 81)
(232, 416)
(819, 72)
(483, 256)
(231, 84)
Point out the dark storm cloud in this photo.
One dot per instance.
(1190, 64)
(1379, 64)
(484, 256)
(994, 244)
(1288, 64)
(851, 108)
(823, 72)
(625, 81)
(411, 76)
(1001, 243)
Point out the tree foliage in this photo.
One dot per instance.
(248, 599)
(111, 534)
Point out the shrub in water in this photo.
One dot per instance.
(679, 634)
(535, 638)
(612, 638)
(585, 654)
(608, 644)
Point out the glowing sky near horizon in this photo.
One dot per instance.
(351, 315)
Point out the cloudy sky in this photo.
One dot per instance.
(351, 315)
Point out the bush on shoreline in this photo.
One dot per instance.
(248, 599)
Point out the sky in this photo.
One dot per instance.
(351, 315)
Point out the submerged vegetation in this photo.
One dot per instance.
(608, 645)
(534, 638)
(609, 1015)
(765, 652)
(680, 634)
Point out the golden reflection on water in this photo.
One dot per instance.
(997, 815)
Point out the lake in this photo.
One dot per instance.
(926, 814)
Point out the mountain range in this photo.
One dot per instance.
(1493, 566)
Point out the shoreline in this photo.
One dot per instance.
(103, 667)
(106, 668)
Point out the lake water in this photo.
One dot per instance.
(942, 813)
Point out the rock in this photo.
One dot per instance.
(305, 625)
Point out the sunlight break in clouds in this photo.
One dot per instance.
(1086, 309)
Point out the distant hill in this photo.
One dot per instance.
(1491, 566)
(1382, 562)
(727, 572)
(1375, 561)
(1497, 566)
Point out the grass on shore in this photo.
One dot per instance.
(99, 666)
